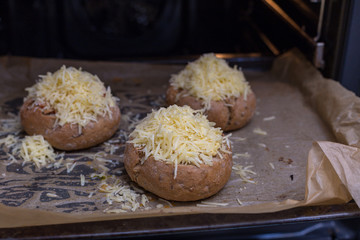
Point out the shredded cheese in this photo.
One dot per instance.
(243, 172)
(37, 150)
(70, 166)
(165, 201)
(262, 145)
(179, 135)
(214, 203)
(10, 141)
(52, 195)
(238, 139)
(82, 180)
(210, 78)
(259, 131)
(123, 194)
(269, 118)
(10, 125)
(244, 155)
(76, 96)
(272, 165)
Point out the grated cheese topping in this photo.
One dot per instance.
(76, 96)
(37, 150)
(211, 78)
(179, 135)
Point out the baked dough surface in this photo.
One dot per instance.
(191, 183)
(37, 122)
(232, 114)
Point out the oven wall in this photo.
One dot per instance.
(135, 29)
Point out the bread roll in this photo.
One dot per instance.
(67, 137)
(230, 114)
(71, 109)
(222, 92)
(188, 158)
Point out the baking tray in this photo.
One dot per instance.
(190, 218)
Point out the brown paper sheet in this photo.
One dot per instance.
(305, 158)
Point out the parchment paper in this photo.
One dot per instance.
(309, 155)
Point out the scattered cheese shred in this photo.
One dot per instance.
(10, 125)
(262, 145)
(238, 139)
(243, 172)
(214, 203)
(10, 141)
(259, 131)
(82, 180)
(166, 201)
(272, 165)
(159, 205)
(117, 210)
(34, 149)
(52, 195)
(37, 150)
(238, 155)
(179, 135)
(70, 166)
(269, 118)
(76, 96)
(123, 194)
(239, 202)
(210, 78)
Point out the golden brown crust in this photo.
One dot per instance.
(234, 113)
(191, 183)
(35, 121)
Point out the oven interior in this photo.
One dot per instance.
(246, 32)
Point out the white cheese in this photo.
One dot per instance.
(120, 193)
(76, 96)
(179, 135)
(269, 118)
(214, 203)
(37, 150)
(259, 131)
(243, 172)
(210, 78)
(82, 180)
(244, 155)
